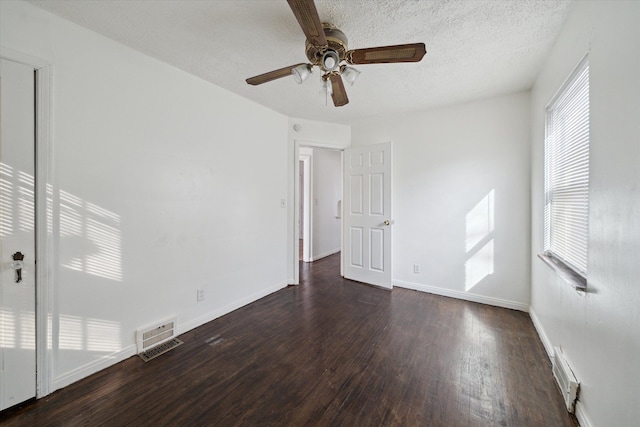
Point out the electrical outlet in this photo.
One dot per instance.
(200, 295)
(416, 268)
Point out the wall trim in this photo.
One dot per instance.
(462, 295)
(546, 342)
(104, 362)
(88, 369)
(325, 254)
(581, 415)
(208, 317)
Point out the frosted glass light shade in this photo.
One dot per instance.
(350, 74)
(301, 72)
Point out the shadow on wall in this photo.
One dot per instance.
(93, 233)
(479, 227)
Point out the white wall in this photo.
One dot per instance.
(154, 194)
(599, 331)
(327, 191)
(461, 198)
(314, 134)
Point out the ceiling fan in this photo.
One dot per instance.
(326, 48)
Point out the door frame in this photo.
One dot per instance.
(296, 200)
(44, 202)
(306, 221)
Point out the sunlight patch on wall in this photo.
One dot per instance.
(479, 227)
(79, 333)
(103, 336)
(93, 234)
(479, 266)
(17, 331)
(70, 334)
(479, 221)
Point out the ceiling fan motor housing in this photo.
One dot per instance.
(337, 42)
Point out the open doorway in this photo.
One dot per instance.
(318, 203)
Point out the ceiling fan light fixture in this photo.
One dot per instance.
(301, 73)
(330, 60)
(349, 74)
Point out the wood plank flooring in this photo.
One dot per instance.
(329, 352)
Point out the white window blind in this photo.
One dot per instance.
(566, 164)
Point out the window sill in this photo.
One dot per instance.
(568, 275)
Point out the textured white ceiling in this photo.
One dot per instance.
(475, 48)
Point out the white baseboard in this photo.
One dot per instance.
(462, 295)
(84, 371)
(543, 336)
(325, 254)
(581, 415)
(208, 317)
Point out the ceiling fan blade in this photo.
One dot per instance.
(271, 75)
(412, 52)
(339, 94)
(307, 16)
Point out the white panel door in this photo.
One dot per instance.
(17, 220)
(367, 214)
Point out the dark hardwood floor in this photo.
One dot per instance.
(329, 352)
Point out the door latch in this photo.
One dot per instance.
(18, 257)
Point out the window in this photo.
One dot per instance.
(566, 173)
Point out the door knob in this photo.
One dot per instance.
(387, 222)
(18, 257)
